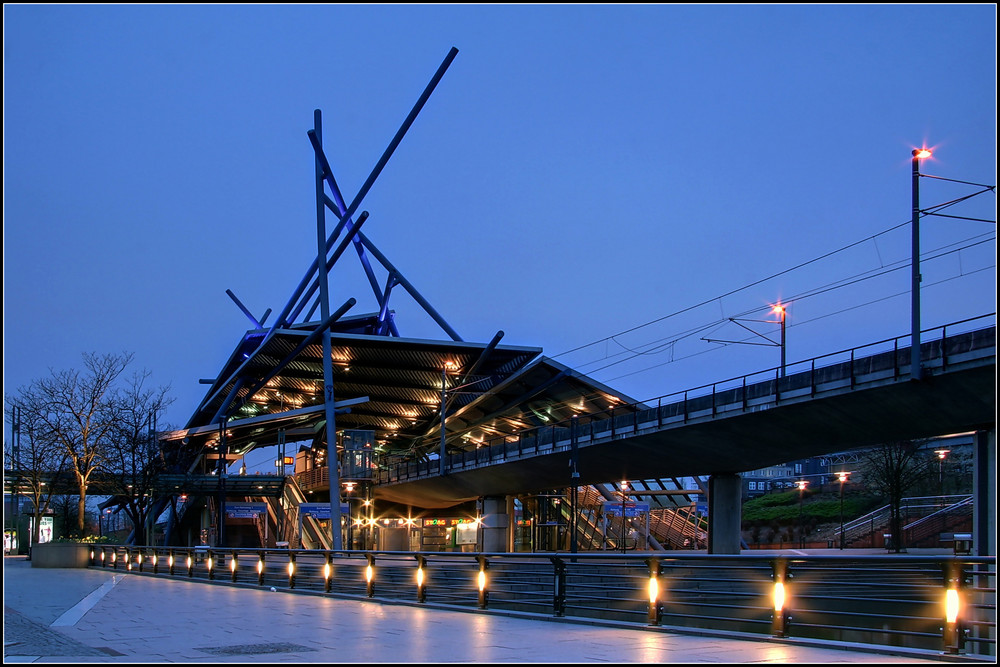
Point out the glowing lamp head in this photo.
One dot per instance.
(778, 596)
(951, 605)
(921, 153)
(842, 477)
(801, 484)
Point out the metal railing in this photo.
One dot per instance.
(895, 601)
(883, 360)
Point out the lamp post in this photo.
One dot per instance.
(779, 310)
(915, 368)
(802, 487)
(941, 453)
(842, 476)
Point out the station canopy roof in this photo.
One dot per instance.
(272, 391)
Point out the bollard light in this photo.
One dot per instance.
(370, 575)
(482, 582)
(327, 573)
(291, 570)
(779, 597)
(233, 565)
(952, 630)
(260, 570)
(421, 579)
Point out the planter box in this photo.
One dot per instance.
(60, 554)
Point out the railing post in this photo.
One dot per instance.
(659, 412)
(234, 565)
(779, 616)
(260, 568)
(328, 572)
(612, 412)
(655, 610)
(558, 587)
(713, 400)
(209, 564)
(190, 564)
(291, 569)
(483, 581)
(156, 562)
(685, 406)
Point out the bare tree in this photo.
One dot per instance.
(133, 458)
(892, 469)
(36, 461)
(77, 411)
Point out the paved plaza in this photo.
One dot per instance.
(83, 615)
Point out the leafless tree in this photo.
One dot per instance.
(892, 469)
(35, 460)
(77, 411)
(133, 458)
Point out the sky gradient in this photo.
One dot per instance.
(600, 181)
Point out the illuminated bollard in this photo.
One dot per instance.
(421, 579)
(655, 610)
(190, 564)
(482, 581)
(114, 558)
(93, 556)
(370, 575)
(233, 566)
(138, 559)
(170, 562)
(291, 569)
(155, 562)
(104, 562)
(953, 634)
(327, 572)
(260, 569)
(208, 565)
(779, 597)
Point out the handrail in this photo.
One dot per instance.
(867, 599)
(559, 435)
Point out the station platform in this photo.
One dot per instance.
(90, 615)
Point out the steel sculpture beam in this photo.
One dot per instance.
(303, 284)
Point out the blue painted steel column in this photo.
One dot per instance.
(324, 298)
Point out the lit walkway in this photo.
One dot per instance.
(75, 615)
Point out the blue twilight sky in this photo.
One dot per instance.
(607, 179)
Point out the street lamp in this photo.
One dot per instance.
(802, 487)
(779, 310)
(941, 453)
(915, 368)
(842, 477)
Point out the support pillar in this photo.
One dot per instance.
(496, 524)
(984, 485)
(725, 500)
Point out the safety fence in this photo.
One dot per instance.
(933, 603)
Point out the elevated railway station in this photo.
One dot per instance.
(383, 441)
